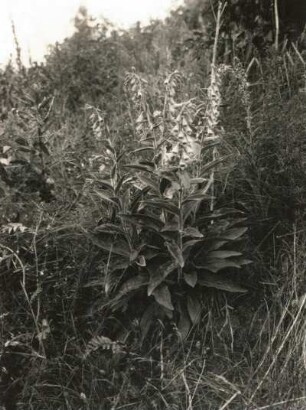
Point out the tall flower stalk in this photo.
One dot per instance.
(214, 102)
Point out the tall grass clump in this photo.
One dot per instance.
(267, 183)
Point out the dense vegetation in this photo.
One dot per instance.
(152, 215)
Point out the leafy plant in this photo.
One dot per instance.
(25, 155)
(162, 237)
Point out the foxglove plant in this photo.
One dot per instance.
(159, 245)
(165, 240)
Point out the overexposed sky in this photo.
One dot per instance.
(42, 22)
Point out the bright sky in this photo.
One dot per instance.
(42, 22)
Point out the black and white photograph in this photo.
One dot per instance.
(153, 205)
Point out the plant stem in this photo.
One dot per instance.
(212, 83)
(181, 228)
(276, 14)
(218, 26)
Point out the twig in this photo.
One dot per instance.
(199, 379)
(276, 42)
(225, 405)
(269, 406)
(218, 26)
(190, 407)
(19, 261)
(161, 347)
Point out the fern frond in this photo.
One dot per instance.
(103, 343)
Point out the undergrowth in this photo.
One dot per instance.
(152, 243)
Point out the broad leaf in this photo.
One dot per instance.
(149, 182)
(134, 255)
(43, 147)
(184, 324)
(224, 254)
(191, 278)
(159, 275)
(191, 243)
(146, 321)
(176, 253)
(215, 265)
(194, 308)
(242, 261)
(105, 196)
(215, 245)
(193, 232)
(170, 176)
(185, 179)
(171, 226)
(106, 184)
(234, 233)
(138, 199)
(211, 165)
(189, 207)
(118, 263)
(113, 171)
(162, 204)
(123, 180)
(136, 151)
(197, 197)
(170, 190)
(198, 180)
(22, 141)
(111, 245)
(219, 281)
(138, 167)
(209, 146)
(219, 213)
(120, 156)
(163, 297)
(132, 284)
(5, 161)
(150, 252)
(143, 220)
(141, 261)
(109, 229)
(169, 236)
(167, 312)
